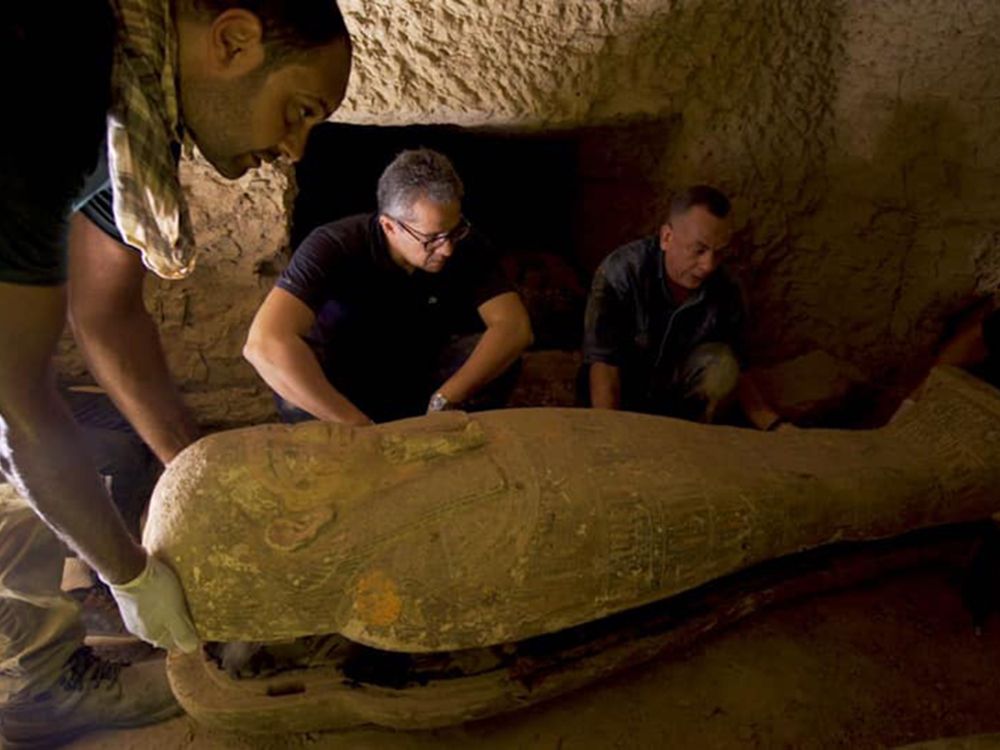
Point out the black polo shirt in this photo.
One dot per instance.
(379, 328)
(43, 175)
(634, 323)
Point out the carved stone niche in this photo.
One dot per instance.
(468, 534)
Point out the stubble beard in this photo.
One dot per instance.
(218, 117)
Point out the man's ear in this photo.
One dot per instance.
(386, 224)
(237, 39)
(666, 233)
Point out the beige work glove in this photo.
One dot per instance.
(153, 608)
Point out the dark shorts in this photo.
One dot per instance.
(99, 208)
(57, 88)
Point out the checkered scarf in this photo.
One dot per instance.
(144, 139)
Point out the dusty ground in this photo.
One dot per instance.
(890, 664)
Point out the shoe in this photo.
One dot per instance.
(99, 610)
(91, 694)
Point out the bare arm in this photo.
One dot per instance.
(41, 449)
(119, 339)
(277, 350)
(605, 386)
(507, 334)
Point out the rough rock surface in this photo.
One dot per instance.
(860, 138)
(203, 320)
(807, 387)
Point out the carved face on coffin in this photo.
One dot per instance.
(335, 516)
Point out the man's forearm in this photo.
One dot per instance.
(291, 369)
(605, 386)
(754, 405)
(498, 348)
(43, 454)
(120, 340)
(126, 358)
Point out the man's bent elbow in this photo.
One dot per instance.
(260, 351)
(252, 351)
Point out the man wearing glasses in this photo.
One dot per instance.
(360, 327)
(664, 320)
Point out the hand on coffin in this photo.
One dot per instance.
(153, 607)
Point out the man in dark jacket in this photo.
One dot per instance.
(663, 319)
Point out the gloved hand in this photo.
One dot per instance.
(153, 608)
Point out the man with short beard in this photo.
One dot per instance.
(128, 82)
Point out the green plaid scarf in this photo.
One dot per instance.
(144, 138)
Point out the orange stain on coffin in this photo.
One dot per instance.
(376, 599)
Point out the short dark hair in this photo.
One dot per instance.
(416, 174)
(290, 26)
(700, 195)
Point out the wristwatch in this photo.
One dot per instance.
(438, 402)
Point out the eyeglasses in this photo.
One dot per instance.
(432, 242)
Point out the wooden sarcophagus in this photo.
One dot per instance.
(460, 534)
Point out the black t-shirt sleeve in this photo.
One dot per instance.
(316, 268)
(487, 278)
(33, 225)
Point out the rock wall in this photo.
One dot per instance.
(858, 137)
(907, 232)
(242, 228)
